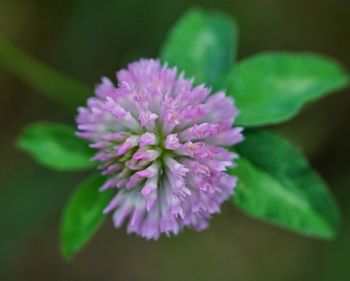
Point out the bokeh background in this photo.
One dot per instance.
(87, 39)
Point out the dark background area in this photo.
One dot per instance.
(87, 39)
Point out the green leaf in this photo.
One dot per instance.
(277, 184)
(39, 76)
(54, 145)
(83, 215)
(203, 44)
(272, 87)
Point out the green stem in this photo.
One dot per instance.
(48, 81)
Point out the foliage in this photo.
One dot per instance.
(278, 185)
(83, 215)
(55, 146)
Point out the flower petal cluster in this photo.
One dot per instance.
(162, 143)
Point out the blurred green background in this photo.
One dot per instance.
(87, 39)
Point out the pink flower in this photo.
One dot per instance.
(163, 144)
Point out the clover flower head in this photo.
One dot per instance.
(162, 143)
